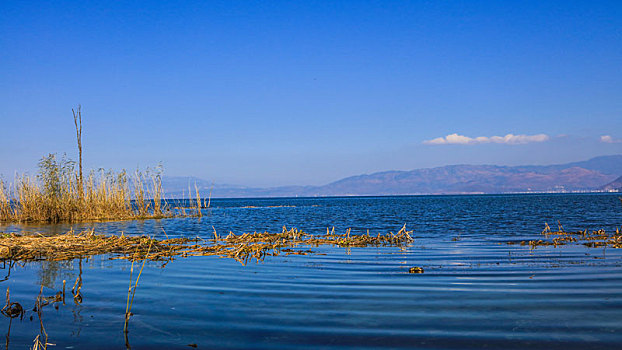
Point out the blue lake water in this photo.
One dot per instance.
(476, 291)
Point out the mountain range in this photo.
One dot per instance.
(596, 174)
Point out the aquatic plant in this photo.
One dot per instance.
(131, 292)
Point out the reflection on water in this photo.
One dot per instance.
(49, 272)
(476, 290)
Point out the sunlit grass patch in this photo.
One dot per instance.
(58, 195)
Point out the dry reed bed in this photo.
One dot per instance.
(106, 196)
(239, 247)
(592, 239)
(61, 193)
(69, 246)
(57, 196)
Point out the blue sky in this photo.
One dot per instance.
(307, 92)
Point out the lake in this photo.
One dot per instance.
(477, 291)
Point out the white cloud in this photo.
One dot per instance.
(609, 139)
(509, 139)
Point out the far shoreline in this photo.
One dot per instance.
(595, 192)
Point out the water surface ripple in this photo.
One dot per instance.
(476, 291)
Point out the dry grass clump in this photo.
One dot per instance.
(239, 247)
(259, 245)
(71, 245)
(597, 238)
(58, 195)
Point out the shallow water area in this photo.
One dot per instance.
(476, 290)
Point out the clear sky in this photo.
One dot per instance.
(306, 92)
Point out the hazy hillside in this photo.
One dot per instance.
(609, 165)
(592, 174)
(613, 185)
(467, 179)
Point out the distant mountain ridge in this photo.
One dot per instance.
(598, 173)
(613, 185)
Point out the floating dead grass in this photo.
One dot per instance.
(245, 247)
(242, 248)
(592, 239)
